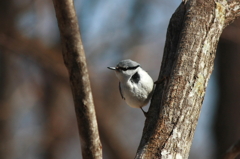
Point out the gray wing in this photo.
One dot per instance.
(120, 90)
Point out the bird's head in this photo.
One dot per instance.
(125, 69)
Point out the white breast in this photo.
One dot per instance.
(138, 94)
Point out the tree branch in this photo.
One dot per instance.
(74, 59)
(189, 53)
(233, 151)
(232, 11)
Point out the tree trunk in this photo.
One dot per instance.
(74, 59)
(188, 59)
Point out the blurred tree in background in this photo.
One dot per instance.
(37, 118)
(226, 126)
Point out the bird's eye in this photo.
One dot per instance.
(124, 69)
(127, 68)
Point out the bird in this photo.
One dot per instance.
(135, 85)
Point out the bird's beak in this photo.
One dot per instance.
(112, 68)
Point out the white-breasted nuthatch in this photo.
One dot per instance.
(135, 85)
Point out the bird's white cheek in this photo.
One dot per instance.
(121, 77)
(117, 74)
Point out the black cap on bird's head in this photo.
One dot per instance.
(125, 65)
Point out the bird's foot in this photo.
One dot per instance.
(145, 113)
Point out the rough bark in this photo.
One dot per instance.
(74, 59)
(189, 53)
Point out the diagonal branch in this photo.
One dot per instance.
(74, 59)
(192, 37)
(233, 151)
